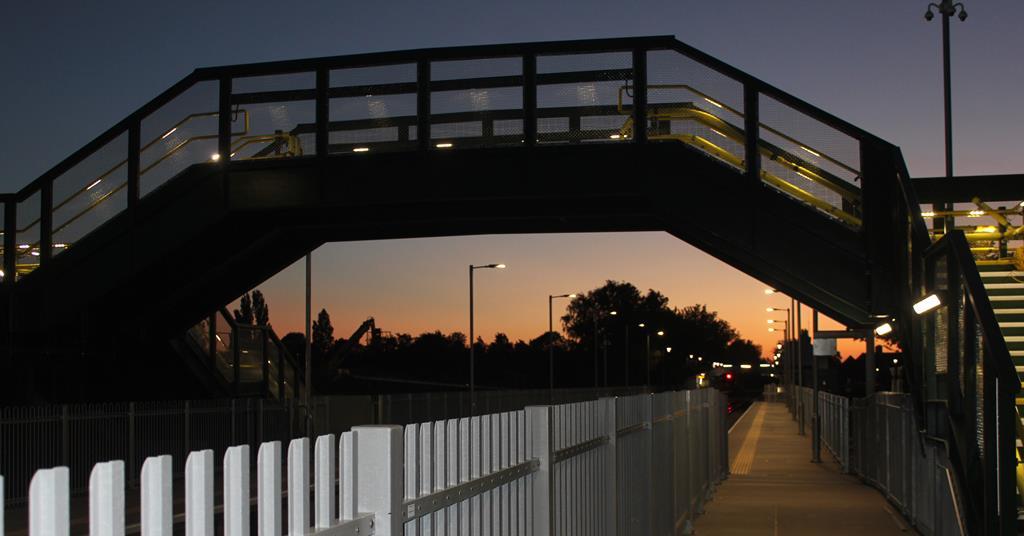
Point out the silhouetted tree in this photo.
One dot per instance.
(244, 314)
(322, 335)
(260, 309)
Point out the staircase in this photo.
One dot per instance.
(1005, 286)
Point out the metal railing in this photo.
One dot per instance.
(639, 465)
(444, 99)
(912, 469)
(81, 435)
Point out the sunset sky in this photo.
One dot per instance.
(875, 63)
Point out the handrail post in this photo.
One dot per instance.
(530, 100)
(224, 120)
(1008, 458)
(46, 222)
(322, 111)
(751, 124)
(423, 104)
(640, 95)
(10, 241)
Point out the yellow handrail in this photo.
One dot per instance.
(738, 113)
(241, 141)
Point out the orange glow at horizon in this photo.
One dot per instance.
(420, 285)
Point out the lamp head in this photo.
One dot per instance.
(928, 15)
(963, 14)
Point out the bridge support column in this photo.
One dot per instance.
(869, 364)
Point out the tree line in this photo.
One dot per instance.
(604, 345)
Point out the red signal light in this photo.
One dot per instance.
(728, 376)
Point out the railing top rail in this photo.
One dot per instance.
(474, 52)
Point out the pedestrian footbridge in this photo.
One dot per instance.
(236, 172)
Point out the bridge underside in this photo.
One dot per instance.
(211, 235)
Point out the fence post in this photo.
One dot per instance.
(324, 472)
(156, 496)
(199, 493)
(65, 434)
(298, 486)
(106, 500)
(268, 489)
(539, 443)
(188, 419)
(379, 476)
(49, 503)
(609, 423)
(236, 491)
(133, 461)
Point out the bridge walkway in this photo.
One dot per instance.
(774, 489)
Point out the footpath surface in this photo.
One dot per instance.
(774, 489)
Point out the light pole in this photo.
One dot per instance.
(785, 336)
(947, 9)
(551, 345)
(597, 348)
(472, 356)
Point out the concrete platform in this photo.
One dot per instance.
(774, 489)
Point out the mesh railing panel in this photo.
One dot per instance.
(179, 134)
(274, 82)
(471, 113)
(276, 130)
(802, 154)
(694, 104)
(374, 110)
(600, 77)
(90, 193)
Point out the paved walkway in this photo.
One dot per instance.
(775, 490)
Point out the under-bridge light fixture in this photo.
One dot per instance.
(361, 150)
(445, 145)
(616, 136)
(928, 214)
(927, 304)
(975, 213)
(93, 185)
(215, 157)
(884, 329)
(745, 366)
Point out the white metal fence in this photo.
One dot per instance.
(634, 465)
(80, 435)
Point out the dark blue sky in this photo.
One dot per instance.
(71, 69)
(74, 68)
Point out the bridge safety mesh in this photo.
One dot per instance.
(179, 134)
(372, 109)
(694, 104)
(275, 128)
(574, 87)
(802, 156)
(90, 193)
(487, 91)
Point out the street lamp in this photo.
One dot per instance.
(647, 347)
(947, 9)
(472, 356)
(551, 346)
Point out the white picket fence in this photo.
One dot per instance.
(633, 465)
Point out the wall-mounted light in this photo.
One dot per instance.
(884, 329)
(927, 304)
